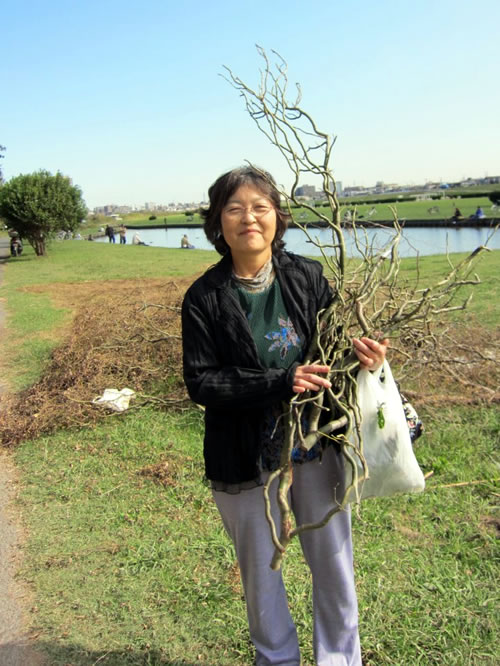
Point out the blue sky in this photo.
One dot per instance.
(127, 98)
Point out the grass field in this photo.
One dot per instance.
(129, 571)
(421, 210)
(407, 210)
(126, 556)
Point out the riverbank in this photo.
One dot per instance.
(415, 241)
(452, 224)
(431, 210)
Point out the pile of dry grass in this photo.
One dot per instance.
(127, 334)
(459, 364)
(124, 334)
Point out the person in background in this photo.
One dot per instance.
(479, 214)
(110, 233)
(246, 326)
(457, 215)
(136, 239)
(185, 241)
(123, 234)
(16, 246)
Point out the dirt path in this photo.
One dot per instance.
(15, 646)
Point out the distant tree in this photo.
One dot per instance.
(2, 150)
(38, 205)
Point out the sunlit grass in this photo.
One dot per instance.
(133, 572)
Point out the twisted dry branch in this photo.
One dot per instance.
(369, 296)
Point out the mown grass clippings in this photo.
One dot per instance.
(128, 334)
(116, 341)
(74, 270)
(168, 470)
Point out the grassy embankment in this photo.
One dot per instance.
(128, 571)
(431, 210)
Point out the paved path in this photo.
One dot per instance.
(15, 648)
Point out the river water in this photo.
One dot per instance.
(415, 240)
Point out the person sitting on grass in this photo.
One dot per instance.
(16, 247)
(457, 215)
(136, 240)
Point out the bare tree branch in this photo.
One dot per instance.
(370, 296)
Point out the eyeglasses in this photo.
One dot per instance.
(236, 212)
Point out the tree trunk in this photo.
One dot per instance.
(38, 244)
(40, 247)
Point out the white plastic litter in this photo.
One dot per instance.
(114, 399)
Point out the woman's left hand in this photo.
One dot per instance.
(371, 353)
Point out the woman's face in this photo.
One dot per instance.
(248, 222)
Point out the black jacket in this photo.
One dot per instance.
(222, 369)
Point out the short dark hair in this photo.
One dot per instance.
(224, 187)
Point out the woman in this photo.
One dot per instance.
(247, 323)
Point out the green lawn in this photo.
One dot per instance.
(423, 210)
(83, 261)
(128, 571)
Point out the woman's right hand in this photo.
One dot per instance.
(308, 378)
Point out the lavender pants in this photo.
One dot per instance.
(328, 552)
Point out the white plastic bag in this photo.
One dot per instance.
(114, 399)
(387, 447)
